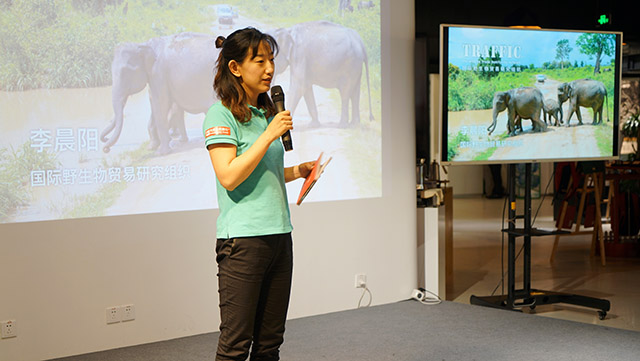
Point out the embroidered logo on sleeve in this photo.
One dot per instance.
(217, 131)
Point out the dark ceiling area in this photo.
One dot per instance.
(546, 14)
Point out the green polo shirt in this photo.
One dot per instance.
(259, 205)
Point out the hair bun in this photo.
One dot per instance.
(219, 41)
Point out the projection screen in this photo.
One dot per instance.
(102, 103)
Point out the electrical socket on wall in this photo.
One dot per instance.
(361, 280)
(9, 328)
(128, 312)
(124, 313)
(114, 314)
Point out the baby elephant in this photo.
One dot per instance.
(552, 109)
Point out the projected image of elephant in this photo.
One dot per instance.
(586, 93)
(521, 103)
(130, 70)
(324, 54)
(179, 71)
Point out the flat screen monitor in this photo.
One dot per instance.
(516, 95)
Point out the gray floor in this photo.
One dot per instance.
(409, 330)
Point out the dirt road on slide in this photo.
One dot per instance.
(556, 142)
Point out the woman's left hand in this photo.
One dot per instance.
(305, 168)
(301, 170)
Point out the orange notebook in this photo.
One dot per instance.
(312, 178)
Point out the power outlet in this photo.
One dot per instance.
(9, 329)
(114, 315)
(128, 313)
(361, 280)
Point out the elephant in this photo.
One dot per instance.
(179, 71)
(324, 54)
(522, 103)
(551, 109)
(586, 93)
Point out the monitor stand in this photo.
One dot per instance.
(515, 299)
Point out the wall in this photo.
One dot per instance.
(58, 277)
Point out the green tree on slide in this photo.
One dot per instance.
(596, 45)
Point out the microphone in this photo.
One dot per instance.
(277, 96)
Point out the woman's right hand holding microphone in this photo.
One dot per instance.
(280, 123)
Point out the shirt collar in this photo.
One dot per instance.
(257, 110)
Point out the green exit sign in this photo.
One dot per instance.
(603, 19)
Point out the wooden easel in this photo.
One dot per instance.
(592, 182)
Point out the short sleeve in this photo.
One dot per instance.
(220, 126)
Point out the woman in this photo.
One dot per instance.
(254, 247)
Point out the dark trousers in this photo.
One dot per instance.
(254, 282)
